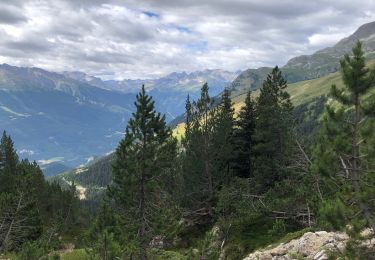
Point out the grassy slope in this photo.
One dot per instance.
(303, 91)
(300, 92)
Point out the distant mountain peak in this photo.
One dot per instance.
(365, 30)
(363, 33)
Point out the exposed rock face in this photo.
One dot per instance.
(309, 246)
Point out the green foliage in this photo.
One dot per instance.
(233, 186)
(33, 212)
(207, 157)
(77, 254)
(209, 246)
(243, 140)
(144, 159)
(222, 140)
(105, 246)
(340, 155)
(332, 215)
(32, 251)
(273, 131)
(279, 227)
(105, 234)
(159, 254)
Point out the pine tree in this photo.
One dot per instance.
(142, 157)
(207, 155)
(349, 144)
(273, 130)
(244, 140)
(198, 161)
(203, 124)
(8, 154)
(105, 234)
(222, 146)
(8, 164)
(188, 113)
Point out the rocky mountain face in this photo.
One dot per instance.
(306, 67)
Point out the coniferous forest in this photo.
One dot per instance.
(234, 182)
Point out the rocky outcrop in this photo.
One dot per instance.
(312, 245)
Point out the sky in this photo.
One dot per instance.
(116, 39)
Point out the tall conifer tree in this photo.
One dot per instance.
(244, 140)
(145, 153)
(273, 129)
(223, 138)
(348, 143)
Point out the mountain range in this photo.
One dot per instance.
(63, 119)
(169, 92)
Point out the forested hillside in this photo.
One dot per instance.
(235, 181)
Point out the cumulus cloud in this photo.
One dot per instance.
(148, 38)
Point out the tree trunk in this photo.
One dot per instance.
(356, 166)
(142, 206)
(142, 233)
(105, 257)
(207, 167)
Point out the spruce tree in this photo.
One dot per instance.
(188, 117)
(104, 235)
(142, 157)
(273, 130)
(198, 160)
(243, 140)
(8, 164)
(203, 123)
(223, 139)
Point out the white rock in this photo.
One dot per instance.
(310, 245)
(321, 255)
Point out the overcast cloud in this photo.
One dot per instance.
(151, 38)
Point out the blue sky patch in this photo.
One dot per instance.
(151, 14)
(183, 29)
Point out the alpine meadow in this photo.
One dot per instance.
(187, 130)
